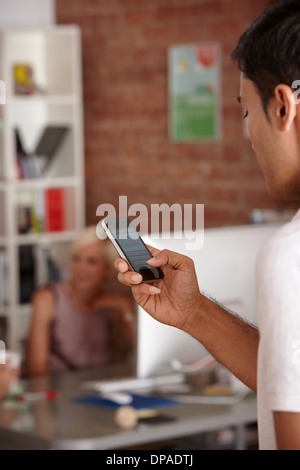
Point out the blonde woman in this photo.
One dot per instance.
(81, 323)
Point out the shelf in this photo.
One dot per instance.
(3, 223)
(45, 238)
(3, 242)
(41, 210)
(64, 100)
(40, 216)
(50, 53)
(44, 183)
(3, 311)
(24, 309)
(56, 109)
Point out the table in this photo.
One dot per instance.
(65, 424)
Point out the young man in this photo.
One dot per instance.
(267, 358)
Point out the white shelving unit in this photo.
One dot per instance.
(53, 56)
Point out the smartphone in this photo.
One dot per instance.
(131, 247)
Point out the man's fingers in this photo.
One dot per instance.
(164, 257)
(134, 281)
(121, 265)
(126, 276)
(129, 278)
(153, 251)
(159, 258)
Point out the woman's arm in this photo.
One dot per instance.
(122, 326)
(7, 376)
(39, 334)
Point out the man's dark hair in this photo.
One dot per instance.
(268, 53)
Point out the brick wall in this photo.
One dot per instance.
(127, 150)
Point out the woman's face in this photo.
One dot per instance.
(89, 267)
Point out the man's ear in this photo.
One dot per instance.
(284, 107)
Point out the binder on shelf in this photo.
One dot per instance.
(26, 273)
(36, 164)
(24, 212)
(3, 329)
(41, 210)
(4, 290)
(41, 144)
(36, 269)
(54, 210)
(37, 198)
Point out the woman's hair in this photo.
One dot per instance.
(268, 52)
(88, 236)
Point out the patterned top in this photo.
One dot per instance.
(78, 340)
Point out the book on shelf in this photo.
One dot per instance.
(26, 273)
(24, 212)
(40, 210)
(3, 329)
(27, 164)
(54, 210)
(4, 288)
(30, 211)
(36, 269)
(36, 163)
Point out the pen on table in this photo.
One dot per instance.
(38, 396)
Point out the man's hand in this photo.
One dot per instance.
(177, 301)
(172, 299)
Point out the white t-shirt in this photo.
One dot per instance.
(278, 298)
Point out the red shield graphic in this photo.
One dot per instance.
(207, 55)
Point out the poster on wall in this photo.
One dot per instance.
(194, 92)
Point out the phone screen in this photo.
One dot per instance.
(131, 247)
